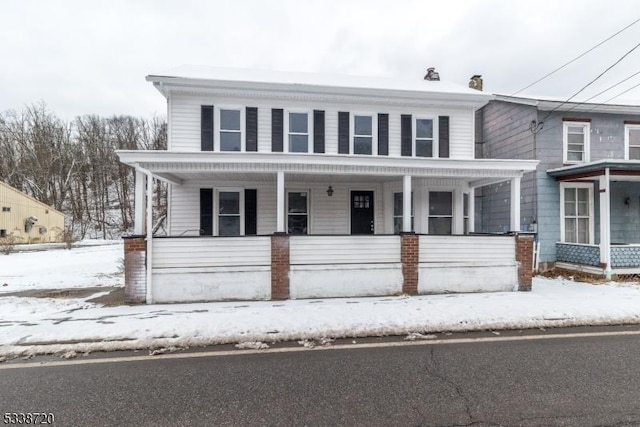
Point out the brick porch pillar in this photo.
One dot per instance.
(524, 257)
(409, 257)
(135, 272)
(279, 266)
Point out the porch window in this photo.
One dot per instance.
(363, 134)
(465, 212)
(229, 218)
(440, 212)
(632, 142)
(423, 139)
(398, 212)
(299, 132)
(298, 212)
(576, 142)
(230, 130)
(577, 214)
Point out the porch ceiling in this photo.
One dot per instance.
(178, 167)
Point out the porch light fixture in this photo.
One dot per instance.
(330, 191)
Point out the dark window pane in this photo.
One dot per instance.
(397, 204)
(298, 202)
(362, 145)
(298, 143)
(424, 148)
(575, 139)
(634, 153)
(634, 136)
(575, 130)
(228, 225)
(297, 224)
(574, 157)
(298, 122)
(229, 203)
(424, 128)
(229, 119)
(440, 203)
(465, 204)
(397, 225)
(363, 125)
(230, 141)
(440, 226)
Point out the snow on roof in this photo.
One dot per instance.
(314, 79)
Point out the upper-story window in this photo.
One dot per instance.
(632, 142)
(230, 129)
(576, 141)
(423, 145)
(363, 134)
(299, 130)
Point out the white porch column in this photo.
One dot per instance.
(149, 258)
(605, 222)
(515, 204)
(280, 203)
(472, 210)
(458, 212)
(139, 204)
(406, 203)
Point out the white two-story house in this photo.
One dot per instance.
(294, 185)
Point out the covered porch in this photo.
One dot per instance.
(600, 217)
(279, 226)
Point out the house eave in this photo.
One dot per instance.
(179, 165)
(594, 169)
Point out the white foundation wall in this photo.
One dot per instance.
(451, 264)
(344, 266)
(211, 269)
(184, 119)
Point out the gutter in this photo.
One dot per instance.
(149, 230)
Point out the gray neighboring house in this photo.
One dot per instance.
(584, 198)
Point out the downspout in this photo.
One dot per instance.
(149, 230)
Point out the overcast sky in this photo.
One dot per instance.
(91, 57)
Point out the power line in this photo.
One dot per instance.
(592, 81)
(576, 58)
(611, 87)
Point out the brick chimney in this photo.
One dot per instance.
(476, 82)
(432, 74)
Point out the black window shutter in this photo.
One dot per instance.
(406, 135)
(250, 212)
(206, 211)
(277, 122)
(318, 131)
(252, 129)
(343, 132)
(383, 134)
(443, 136)
(206, 127)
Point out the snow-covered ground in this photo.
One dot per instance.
(89, 263)
(46, 325)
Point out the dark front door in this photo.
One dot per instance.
(362, 212)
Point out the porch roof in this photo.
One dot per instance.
(178, 167)
(628, 170)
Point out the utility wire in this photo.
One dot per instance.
(592, 81)
(576, 58)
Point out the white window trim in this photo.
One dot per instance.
(286, 207)
(401, 216)
(587, 141)
(589, 186)
(216, 206)
(427, 206)
(216, 126)
(627, 128)
(374, 132)
(285, 128)
(414, 129)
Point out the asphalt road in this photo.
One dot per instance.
(584, 381)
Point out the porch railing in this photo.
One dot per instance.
(575, 253)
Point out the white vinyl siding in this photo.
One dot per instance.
(218, 252)
(184, 115)
(467, 249)
(344, 250)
